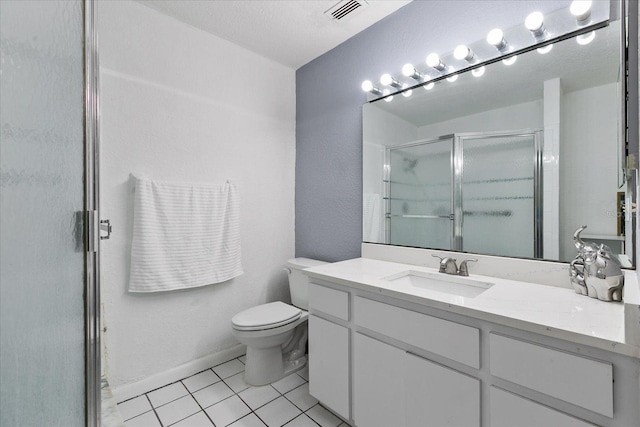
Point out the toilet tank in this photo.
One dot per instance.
(298, 282)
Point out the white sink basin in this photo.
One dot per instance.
(440, 282)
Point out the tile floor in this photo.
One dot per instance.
(220, 397)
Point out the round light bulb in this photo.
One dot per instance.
(433, 60)
(534, 21)
(495, 37)
(408, 70)
(478, 72)
(429, 86)
(452, 78)
(546, 49)
(581, 9)
(511, 60)
(584, 39)
(367, 85)
(461, 52)
(386, 79)
(406, 93)
(387, 92)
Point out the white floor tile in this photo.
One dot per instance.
(301, 398)
(212, 394)
(249, 421)
(197, 420)
(177, 410)
(323, 417)
(134, 407)
(236, 382)
(148, 419)
(201, 380)
(229, 368)
(229, 410)
(301, 421)
(304, 372)
(288, 383)
(255, 397)
(278, 412)
(242, 358)
(166, 394)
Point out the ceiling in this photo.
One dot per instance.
(291, 32)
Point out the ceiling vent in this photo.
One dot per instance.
(345, 8)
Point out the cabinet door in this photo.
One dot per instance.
(439, 396)
(329, 364)
(508, 410)
(378, 396)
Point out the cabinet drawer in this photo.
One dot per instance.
(448, 339)
(508, 410)
(329, 301)
(575, 379)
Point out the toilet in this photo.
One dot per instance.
(276, 333)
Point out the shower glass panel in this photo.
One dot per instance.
(418, 194)
(42, 262)
(498, 195)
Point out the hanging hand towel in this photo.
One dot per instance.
(185, 235)
(371, 217)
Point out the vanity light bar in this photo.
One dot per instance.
(581, 10)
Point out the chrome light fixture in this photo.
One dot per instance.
(433, 61)
(408, 70)
(368, 86)
(535, 24)
(463, 52)
(387, 80)
(581, 9)
(497, 40)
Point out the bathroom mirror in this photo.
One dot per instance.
(509, 163)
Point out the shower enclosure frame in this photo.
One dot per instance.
(457, 174)
(93, 407)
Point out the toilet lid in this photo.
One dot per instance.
(266, 316)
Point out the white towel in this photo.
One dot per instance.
(371, 218)
(184, 235)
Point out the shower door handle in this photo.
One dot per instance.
(105, 225)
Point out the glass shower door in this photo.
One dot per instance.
(498, 195)
(42, 189)
(418, 194)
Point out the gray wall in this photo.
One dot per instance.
(329, 109)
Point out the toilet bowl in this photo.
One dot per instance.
(276, 333)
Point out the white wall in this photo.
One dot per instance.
(527, 115)
(588, 168)
(180, 104)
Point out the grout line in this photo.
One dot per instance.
(199, 405)
(252, 411)
(154, 410)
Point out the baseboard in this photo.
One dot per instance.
(128, 391)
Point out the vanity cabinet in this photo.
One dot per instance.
(378, 383)
(509, 410)
(382, 361)
(393, 387)
(329, 358)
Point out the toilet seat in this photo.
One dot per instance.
(266, 316)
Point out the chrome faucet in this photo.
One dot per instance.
(448, 266)
(463, 270)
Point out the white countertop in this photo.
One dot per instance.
(547, 310)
